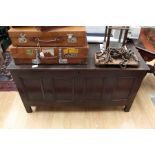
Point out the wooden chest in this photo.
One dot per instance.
(50, 55)
(78, 85)
(66, 36)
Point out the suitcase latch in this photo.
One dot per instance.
(22, 38)
(71, 38)
(36, 61)
(61, 60)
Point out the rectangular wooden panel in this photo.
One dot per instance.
(33, 88)
(64, 89)
(92, 88)
(122, 88)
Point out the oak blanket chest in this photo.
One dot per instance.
(79, 85)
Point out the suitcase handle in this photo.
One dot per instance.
(45, 41)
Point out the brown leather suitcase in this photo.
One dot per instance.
(67, 36)
(49, 55)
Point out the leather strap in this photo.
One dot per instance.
(34, 39)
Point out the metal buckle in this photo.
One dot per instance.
(22, 38)
(36, 61)
(71, 38)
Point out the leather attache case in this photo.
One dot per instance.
(49, 55)
(66, 36)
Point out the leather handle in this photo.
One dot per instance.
(46, 41)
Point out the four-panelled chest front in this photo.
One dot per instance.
(82, 87)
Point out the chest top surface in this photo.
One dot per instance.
(89, 66)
